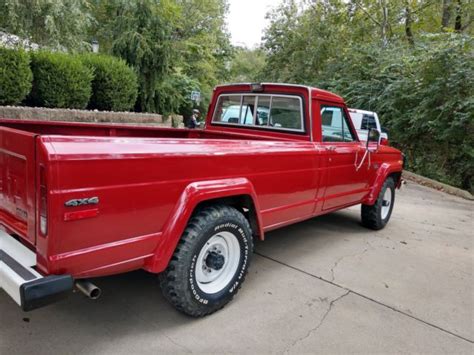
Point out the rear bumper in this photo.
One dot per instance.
(28, 288)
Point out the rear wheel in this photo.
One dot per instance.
(376, 216)
(210, 262)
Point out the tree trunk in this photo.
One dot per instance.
(458, 22)
(385, 25)
(408, 21)
(446, 15)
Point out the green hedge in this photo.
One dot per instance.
(60, 80)
(15, 76)
(114, 87)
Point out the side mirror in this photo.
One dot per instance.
(373, 136)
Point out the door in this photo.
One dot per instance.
(345, 183)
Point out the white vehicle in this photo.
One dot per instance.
(233, 114)
(365, 120)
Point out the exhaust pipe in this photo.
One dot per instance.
(89, 289)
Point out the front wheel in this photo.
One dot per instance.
(210, 262)
(376, 216)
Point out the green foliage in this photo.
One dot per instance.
(161, 39)
(52, 23)
(142, 36)
(157, 38)
(15, 76)
(420, 83)
(204, 46)
(114, 86)
(424, 97)
(246, 65)
(60, 80)
(176, 89)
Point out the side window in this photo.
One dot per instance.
(334, 124)
(346, 130)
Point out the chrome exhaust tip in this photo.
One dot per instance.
(88, 289)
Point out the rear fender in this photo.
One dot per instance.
(194, 194)
(382, 173)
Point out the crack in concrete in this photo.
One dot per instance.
(336, 263)
(394, 309)
(321, 321)
(177, 344)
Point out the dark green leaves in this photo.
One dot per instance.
(114, 86)
(59, 80)
(15, 76)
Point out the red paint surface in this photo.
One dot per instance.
(149, 181)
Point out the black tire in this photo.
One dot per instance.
(178, 282)
(372, 215)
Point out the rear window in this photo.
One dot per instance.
(282, 112)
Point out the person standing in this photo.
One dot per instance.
(193, 122)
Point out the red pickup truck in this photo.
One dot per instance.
(86, 200)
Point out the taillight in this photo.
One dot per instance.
(43, 202)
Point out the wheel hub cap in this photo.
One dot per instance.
(215, 261)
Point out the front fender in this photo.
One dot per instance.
(382, 173)
(194, 194)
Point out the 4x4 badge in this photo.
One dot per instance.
(82, 202)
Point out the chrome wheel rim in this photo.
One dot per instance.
(386, 202)
(217, 262)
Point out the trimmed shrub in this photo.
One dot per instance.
(114, 87)
(15, 76)
(60, 80)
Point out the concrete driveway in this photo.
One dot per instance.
(327, 285)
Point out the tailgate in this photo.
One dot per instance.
(17, 182)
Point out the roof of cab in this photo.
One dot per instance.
(315, 92)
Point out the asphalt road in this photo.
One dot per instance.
(327, 285)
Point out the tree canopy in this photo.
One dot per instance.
(411, 61)
(173, 45)
(56, 24)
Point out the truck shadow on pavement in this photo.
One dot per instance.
(132, 304)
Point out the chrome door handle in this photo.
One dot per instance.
(331, 148)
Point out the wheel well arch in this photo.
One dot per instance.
(386, 171)
(235, 192)
(243, 203)
(396, 176)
